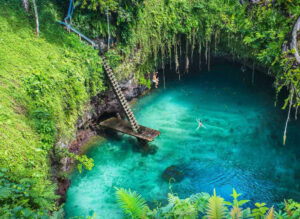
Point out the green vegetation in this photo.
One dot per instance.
(156, 32)
(45, 83)
(202, 205)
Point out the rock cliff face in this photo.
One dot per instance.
(105, 104)
(101, 107)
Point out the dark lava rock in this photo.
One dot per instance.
(173, 172)
(63, 185)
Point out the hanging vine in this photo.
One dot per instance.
(288, 116)
(187, 62)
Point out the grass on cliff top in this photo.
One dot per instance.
(45, 82)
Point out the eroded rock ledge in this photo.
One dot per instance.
(102, 106)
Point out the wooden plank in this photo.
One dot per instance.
(123, 126)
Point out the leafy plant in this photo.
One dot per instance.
(202, 205)
(237, 212)
(131, 203)
(216, 207)
(260, 210)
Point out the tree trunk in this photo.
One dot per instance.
(26, 5)
(36, 18)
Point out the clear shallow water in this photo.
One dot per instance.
(240, 148)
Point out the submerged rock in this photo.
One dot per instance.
(145, 149)
(173, 172)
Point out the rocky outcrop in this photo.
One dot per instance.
(63, 185)
(106, 104)
(102, 106)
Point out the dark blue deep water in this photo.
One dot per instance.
(241, 146)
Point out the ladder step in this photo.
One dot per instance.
(120, 95)
(124, 104)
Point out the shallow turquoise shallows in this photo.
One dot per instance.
(241, 146)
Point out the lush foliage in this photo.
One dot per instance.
(156, 32)
(174, 28)
(45, 83)
(202, 205)
(132, 203)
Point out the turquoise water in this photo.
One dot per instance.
(241, 146)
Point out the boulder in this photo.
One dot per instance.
(173, 172)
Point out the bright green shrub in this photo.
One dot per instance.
(44, 84)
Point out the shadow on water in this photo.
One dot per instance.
(241, 146)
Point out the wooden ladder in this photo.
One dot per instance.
(120, 96)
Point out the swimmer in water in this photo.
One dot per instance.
(199, 124)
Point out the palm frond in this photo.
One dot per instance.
(215, 208)
(132, 203)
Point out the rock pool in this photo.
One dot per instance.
(241, 146)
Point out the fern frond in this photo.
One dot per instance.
(236, 213)
(172, 199)
(215, 208)
(132, 203)
(200, 201)
(271, 214)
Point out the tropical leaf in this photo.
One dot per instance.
(132, 203)
(246, 213)
(200, 201)
(242, 202)
(235, 195)
(216, 208)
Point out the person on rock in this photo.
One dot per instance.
(155, 79)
